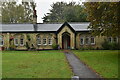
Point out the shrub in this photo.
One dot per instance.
(113, 46)
(82, 48)
(87, 48)
(90, 48)
(110, 46)
(105, 45)
(55, 46)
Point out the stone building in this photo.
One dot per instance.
(46, 35)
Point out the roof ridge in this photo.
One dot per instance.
(77, 22)
(16, 23)
(53, 22)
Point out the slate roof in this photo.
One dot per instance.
(80, 26)
(41, 27)
(49, 27)
(16, 27)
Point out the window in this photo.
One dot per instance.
(115, 39)
(1, 41)
(81, 41)
(21, 41)
(87, 40)
(38, 40)
(44, 41)
(49, 41)
(110, 39)
(92, 40)
(16, 41)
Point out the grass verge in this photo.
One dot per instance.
(35, 64)
(105, 62)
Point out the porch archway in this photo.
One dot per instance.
(66, 40)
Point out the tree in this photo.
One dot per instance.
(56, 13)
(17, 13)
(75, 13)
(104, 17)
(62, 11)
(28, 11)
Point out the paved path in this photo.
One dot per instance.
(79, 69)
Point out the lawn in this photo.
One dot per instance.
(35, 64)
(104, 62)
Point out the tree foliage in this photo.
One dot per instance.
(62, 11)
(17, 13)
(104, 17)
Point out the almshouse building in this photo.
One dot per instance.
(48, 35)
(45, 35)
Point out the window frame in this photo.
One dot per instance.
(15, 41)
(91, 40)
(88, 41)
(39, 38)
(50, 39)
(116, 40)
(45, 40)
(20, 42)
(83, 41)
(110, 40)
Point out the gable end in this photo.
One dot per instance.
(65, 24)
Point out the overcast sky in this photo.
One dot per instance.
(43, 7)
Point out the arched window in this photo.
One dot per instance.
(115, 39)
(50, 41)
(16, 41)
(22, 41)
(92, 40)
(110, 39)
(44, 41)
(87, 41)
(38, 40)
(81, 40)
(1, 41)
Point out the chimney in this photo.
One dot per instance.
(35, 19)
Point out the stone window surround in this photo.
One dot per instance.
(21, 44)
(83, 40)
(45, 41)
(15, 41)
(50, 39)
(42, 40)
(89, 40)
(112, 39)
(39, 38)
(116, 39)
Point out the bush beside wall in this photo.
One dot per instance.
(55, 46)
(110, 46)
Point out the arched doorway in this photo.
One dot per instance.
(65, 40)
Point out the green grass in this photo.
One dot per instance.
(0, 65)
(102, 61)
(34, 64)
